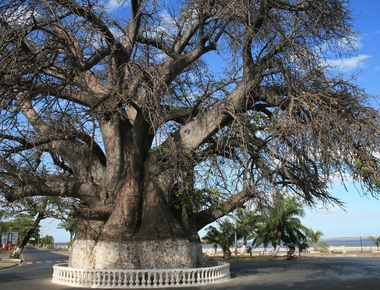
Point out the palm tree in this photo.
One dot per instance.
(314, 238)
(280, 222)
(375, 240)
(71, 226)
(247, 223)
(264, 233)
(224, 236)
(47, 241)
(302, 245)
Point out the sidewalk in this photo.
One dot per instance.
(5, 262)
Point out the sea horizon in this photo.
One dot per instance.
(338, 241)
(333, 242)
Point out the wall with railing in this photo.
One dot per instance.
(140, 278)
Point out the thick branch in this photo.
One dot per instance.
(210, 215)
(82, 190)
(87, 13)
(159, 44)
(99, 214)
(77, 158)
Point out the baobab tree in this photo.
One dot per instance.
(161, 117)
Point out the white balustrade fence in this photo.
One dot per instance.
(140, 278)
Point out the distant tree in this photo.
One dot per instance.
(314, 238)
(3, 223)
(22, 224)
(302, 245)
(279, 222)
(375, 240)
(224, 236)
(264, 235)
(32, 230)
(33, 210)
(47, 241)
(26, 226)
(70, 225)
(247, 222)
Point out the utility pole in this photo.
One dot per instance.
(236, 255)
(361, 245)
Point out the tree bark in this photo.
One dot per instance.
(137, 239)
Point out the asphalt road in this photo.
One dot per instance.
(34, 273)
(322, 273)
(309, 273)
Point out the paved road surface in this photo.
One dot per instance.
(318, 273)
(33, 274)
(322, 273)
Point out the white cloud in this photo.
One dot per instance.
(349, 64)
(115, 5)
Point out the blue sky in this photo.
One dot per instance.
(362, 213)
(368, 26)
(360, 216)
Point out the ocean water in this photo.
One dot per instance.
(349, 242)
(335, 242)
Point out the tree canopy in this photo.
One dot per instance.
(160, 117)
(47, 241)
(69, 225)
(280, 222)
(225, 235)
(33, 210)
(314, 239)
(376, 241)
(23, 224)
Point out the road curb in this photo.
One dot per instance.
(9, 263)
(11, 260)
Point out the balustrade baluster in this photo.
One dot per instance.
(113, 278)
(161, 279)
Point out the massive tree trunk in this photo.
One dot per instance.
(136, 254)
(138, 234)
(160, 243)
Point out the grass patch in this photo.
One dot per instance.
(15, 255)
